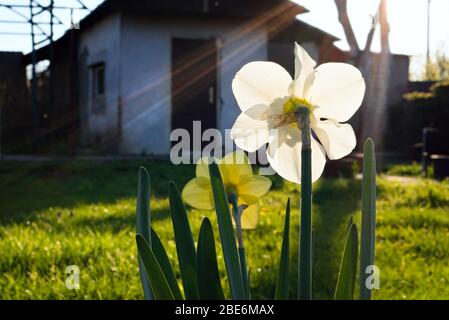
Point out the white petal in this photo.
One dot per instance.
(260, 83)
(275, 113)
(338, 90)
(318, 160)
(303, 61)
(338, 139)
(304, 67)
(284, 155)
(250, 131)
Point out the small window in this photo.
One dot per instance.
(98, 80)
(98, 88)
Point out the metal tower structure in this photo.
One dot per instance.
(43, 17)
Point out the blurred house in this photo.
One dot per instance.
(15, 116)
(133, 71)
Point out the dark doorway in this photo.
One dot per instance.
(194, 84)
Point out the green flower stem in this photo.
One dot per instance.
(305, 238)
(237, 212)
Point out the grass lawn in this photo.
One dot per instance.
(83, 213)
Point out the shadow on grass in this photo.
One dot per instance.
(115, 223)
(335, 201)
(28, 188)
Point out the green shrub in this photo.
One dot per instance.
(440, 90)
(416, 96)
(413, 170)
(420, 193)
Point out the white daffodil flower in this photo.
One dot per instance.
(269, 98)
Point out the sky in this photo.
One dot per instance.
(23, 42)
(408, 24)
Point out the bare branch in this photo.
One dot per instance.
(343, 17)
(369, 40)
(384, 26)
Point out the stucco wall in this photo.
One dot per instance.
(145, 83)
(100, 44)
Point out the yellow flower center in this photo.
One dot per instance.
(289, 109)
(294, 103)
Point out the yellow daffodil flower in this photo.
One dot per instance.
(239, 180)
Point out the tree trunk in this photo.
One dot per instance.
(370, 120)
(375, 113)
(343, 17)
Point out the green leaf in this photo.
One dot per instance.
(350, 223)
(162, 258)
(208, 275)
(281, 292)
(227, 236)
(348, 267)
(368, 232)
(185, 247)
(158, 282)
(143, 223)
